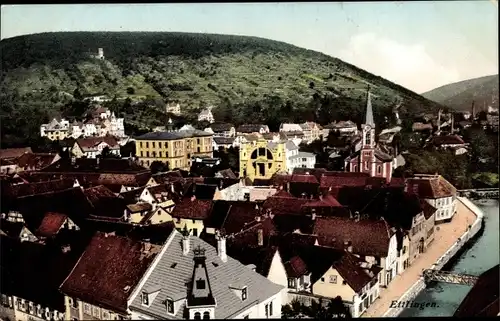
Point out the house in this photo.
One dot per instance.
(242, 192)
(262, 159)
(296, 158)
(190, 213)
(157, 195)
(104, 280)
(176, 148)
(222, 143)
(57, 129)
(52, 223)
(207, 284)
(16, 230)
(344, 233)
(173, 108)
(345, 128)
(221, 129)
(453, 142)
(311, 130)
(206, 115)
(91, 147)
(370, 158)
(31, 274)
(252, 128)
(160, 215)
(137, 212)
(272, 137)
(438, 192)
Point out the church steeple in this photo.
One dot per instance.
(369, 111)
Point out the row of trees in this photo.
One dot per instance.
(334, 309)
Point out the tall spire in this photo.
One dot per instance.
(369, 111)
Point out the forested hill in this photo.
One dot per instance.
(245, 78)
(483, 91)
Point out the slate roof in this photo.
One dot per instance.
(191, 208)
(368, 237)
(220, 127)
(34, 271)
(51, 224)
(483, 299)
(109, 270)
(174, 135)
(224, 140)
(250, 128)
(14, 152)
(172, 281)
(430, 187)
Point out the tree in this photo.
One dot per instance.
(334, 309)
(158, 167)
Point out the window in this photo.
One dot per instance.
(147, 153)
(30, 308)
(200, 284)
(198, 141)
(140, 144)
(291, 283)
(170, 306)
(105, 315)
(333, 279)
(206, 315)
(271, 308)
(323, 279)
(145, 298)
(344, 282)
(147, 144)
(197, 316)
(404, 249)
(86, 308)
(244, 294)
(246, 316)
(379, 169)
(160, 154)
(74, 303)
(95, 312)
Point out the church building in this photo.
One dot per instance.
(370, 158)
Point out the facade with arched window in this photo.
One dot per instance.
(262, 159)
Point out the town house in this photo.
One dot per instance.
(222, 130)
(91, 147)
(345, 233)
(252, 129)
(190, 213)
(207, 283)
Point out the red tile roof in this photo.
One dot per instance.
(304, 178)
(22, 190)
(295, 267)
(447, 140)
(431, 186)
(14, 152)
(349, 268)
(367, 237)
(51, 224)
(109, 270)
(35, 160)
(284, 205)
(191, 208)
(324, 201)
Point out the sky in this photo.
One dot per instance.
(420, 45)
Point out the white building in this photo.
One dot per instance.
(296, 158)
(173, 108)
(190, 279)
(438, 192)
(206, 115)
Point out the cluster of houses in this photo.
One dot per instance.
(87, 238)
(101, 122)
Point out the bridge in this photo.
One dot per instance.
(448, 277)
(479, 192)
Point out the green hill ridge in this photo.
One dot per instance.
(252, 79)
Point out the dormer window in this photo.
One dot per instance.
(170, 306)
(244, 294)
(145, 298)
(200, 284)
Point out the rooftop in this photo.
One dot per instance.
(174, 135)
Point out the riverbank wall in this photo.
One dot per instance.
(456, 248)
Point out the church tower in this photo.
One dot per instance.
(367, 153)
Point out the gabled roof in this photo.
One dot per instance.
(51, 224)
(447, 140)
(139, 207)
(483, 299)
(284, 205)
(14, 152)
(430, 186)
(221, 127)
(133, 195)
(334, 231)
(191, 208)
(174, 269)
(105, 203)
(224, 140)
(109, 270)
(233, 216)
(250, 128)
(90, 143)
(36, 160)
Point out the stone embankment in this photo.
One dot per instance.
(419, 285)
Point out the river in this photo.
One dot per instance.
(483, 255)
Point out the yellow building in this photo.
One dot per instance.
(175, 148)
(261, 159)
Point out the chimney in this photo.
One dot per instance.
(260, 237)
(221, 246)
(185, 244)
